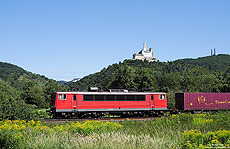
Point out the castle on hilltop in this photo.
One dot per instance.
(145, 55)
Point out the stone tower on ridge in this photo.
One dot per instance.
(145, 55)
(144, 46)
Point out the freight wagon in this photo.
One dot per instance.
(202, 101)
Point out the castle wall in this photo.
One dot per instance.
(147, 53)
(140, 57)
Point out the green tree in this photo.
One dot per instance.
(124, 79)
(143, 79)
(13, 109)
(173, 81)
(198, 79)
(33, 94)
(226, 80)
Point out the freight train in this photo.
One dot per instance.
(124, 103)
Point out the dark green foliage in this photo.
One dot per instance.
(16, 109)
(206, 74)
(226, 80)
(33, 94)
(13, 71)
(22, 92)
(213, 63)
(198, 79)
(132, 79)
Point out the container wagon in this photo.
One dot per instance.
(202, 101)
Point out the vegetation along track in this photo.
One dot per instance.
(117, 119)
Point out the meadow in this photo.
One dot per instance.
(174, 131)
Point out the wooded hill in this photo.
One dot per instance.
(204, 74)
(21, 92)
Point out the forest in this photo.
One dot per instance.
(206, 74)
(23, 94)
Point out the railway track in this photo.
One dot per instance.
(114, 119)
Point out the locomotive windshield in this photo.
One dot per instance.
(161, 96)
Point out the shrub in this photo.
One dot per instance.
(195, 138)
(14, 110)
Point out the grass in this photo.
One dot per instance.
(104, 140)
(175, 131)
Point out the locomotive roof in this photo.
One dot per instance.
(112, 93)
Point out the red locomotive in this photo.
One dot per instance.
(96, 104)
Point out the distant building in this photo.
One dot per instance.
(145, 55)
(214, 52)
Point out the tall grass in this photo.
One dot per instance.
(184, 131)
(171, 129)
(103, 140)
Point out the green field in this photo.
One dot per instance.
(175, 131)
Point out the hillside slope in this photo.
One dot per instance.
(181, 75)
(16, 75)
(217, 62)
(19, 84)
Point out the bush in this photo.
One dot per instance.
(215, 139)
(15, 110)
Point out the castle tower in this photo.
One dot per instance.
(144, 48)
(145, 55)
(151, 50)
(211, 52)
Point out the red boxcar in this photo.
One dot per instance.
(74, 102)
(202, 101)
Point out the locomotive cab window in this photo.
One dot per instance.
(162, 96)
(62, 96)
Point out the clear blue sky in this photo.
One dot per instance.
(64, 39)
